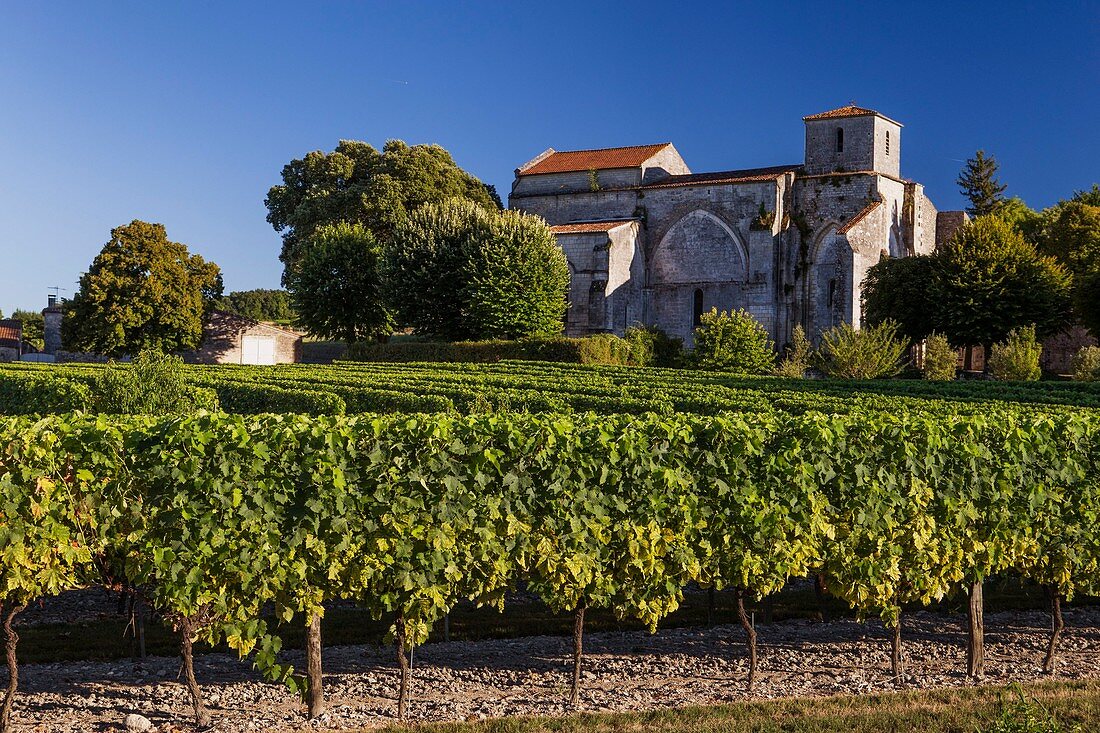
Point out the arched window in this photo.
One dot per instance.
(840, 139)
(697, 309)
(832, 292)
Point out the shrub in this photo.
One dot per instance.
(1016, 359)
(867, 353)
(799, 354)
(1086, 364)
(650, 346)
(733, 341)
(154, 383)
(940, 359)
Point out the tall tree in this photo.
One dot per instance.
(142, 291)
(1072, 235)
(335, 289)
(357, 183)
(987, 281)
(978, 183)
(897, 289)
(457, 270)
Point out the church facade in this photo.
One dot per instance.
(651, 243)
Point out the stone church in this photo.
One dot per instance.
(649, 242)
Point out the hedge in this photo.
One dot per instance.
(598, 349)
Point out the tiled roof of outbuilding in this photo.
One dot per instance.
(748, 175)
(11, 333)
(589, 227)
(567, 161)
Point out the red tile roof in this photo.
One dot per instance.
(567, 161)
(859, 217)
(849, 110)
(11, 333)
(589, 227)
(748, 175)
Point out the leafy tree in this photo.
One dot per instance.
(335, 288)
(34, 328)
(142, 291)
(978, 183)
(259, 305)
(733, 341)
(988, 281)
(897, 289)
(1022, 217)
(1072, 236)
(460, 271)
(868, 353)
(356, 183)
(940, 359)
(1016, 359)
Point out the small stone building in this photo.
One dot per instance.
(11, 340)
(233, 339)
(649, 242)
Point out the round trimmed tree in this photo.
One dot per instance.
(335, 289)
(733, 341)
(458, 271)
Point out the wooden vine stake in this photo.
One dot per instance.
(975, 647)
(578, 641)
(316, 699)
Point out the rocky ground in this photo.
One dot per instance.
(623, 671)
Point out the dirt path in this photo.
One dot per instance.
(627, 671)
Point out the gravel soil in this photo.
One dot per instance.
(622, 671)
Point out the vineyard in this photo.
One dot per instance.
(350, 388)
(215, 518)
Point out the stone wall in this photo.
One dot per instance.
(584, 206)
(1059, 350)
(576, 181)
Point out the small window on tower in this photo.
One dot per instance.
(887, 142)
(840, 139)
(697, 310)
(832, 293)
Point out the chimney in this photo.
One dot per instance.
(51, 300)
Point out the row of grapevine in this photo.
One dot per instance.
(532, 387)
(212, 517)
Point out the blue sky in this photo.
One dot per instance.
(184, 113)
